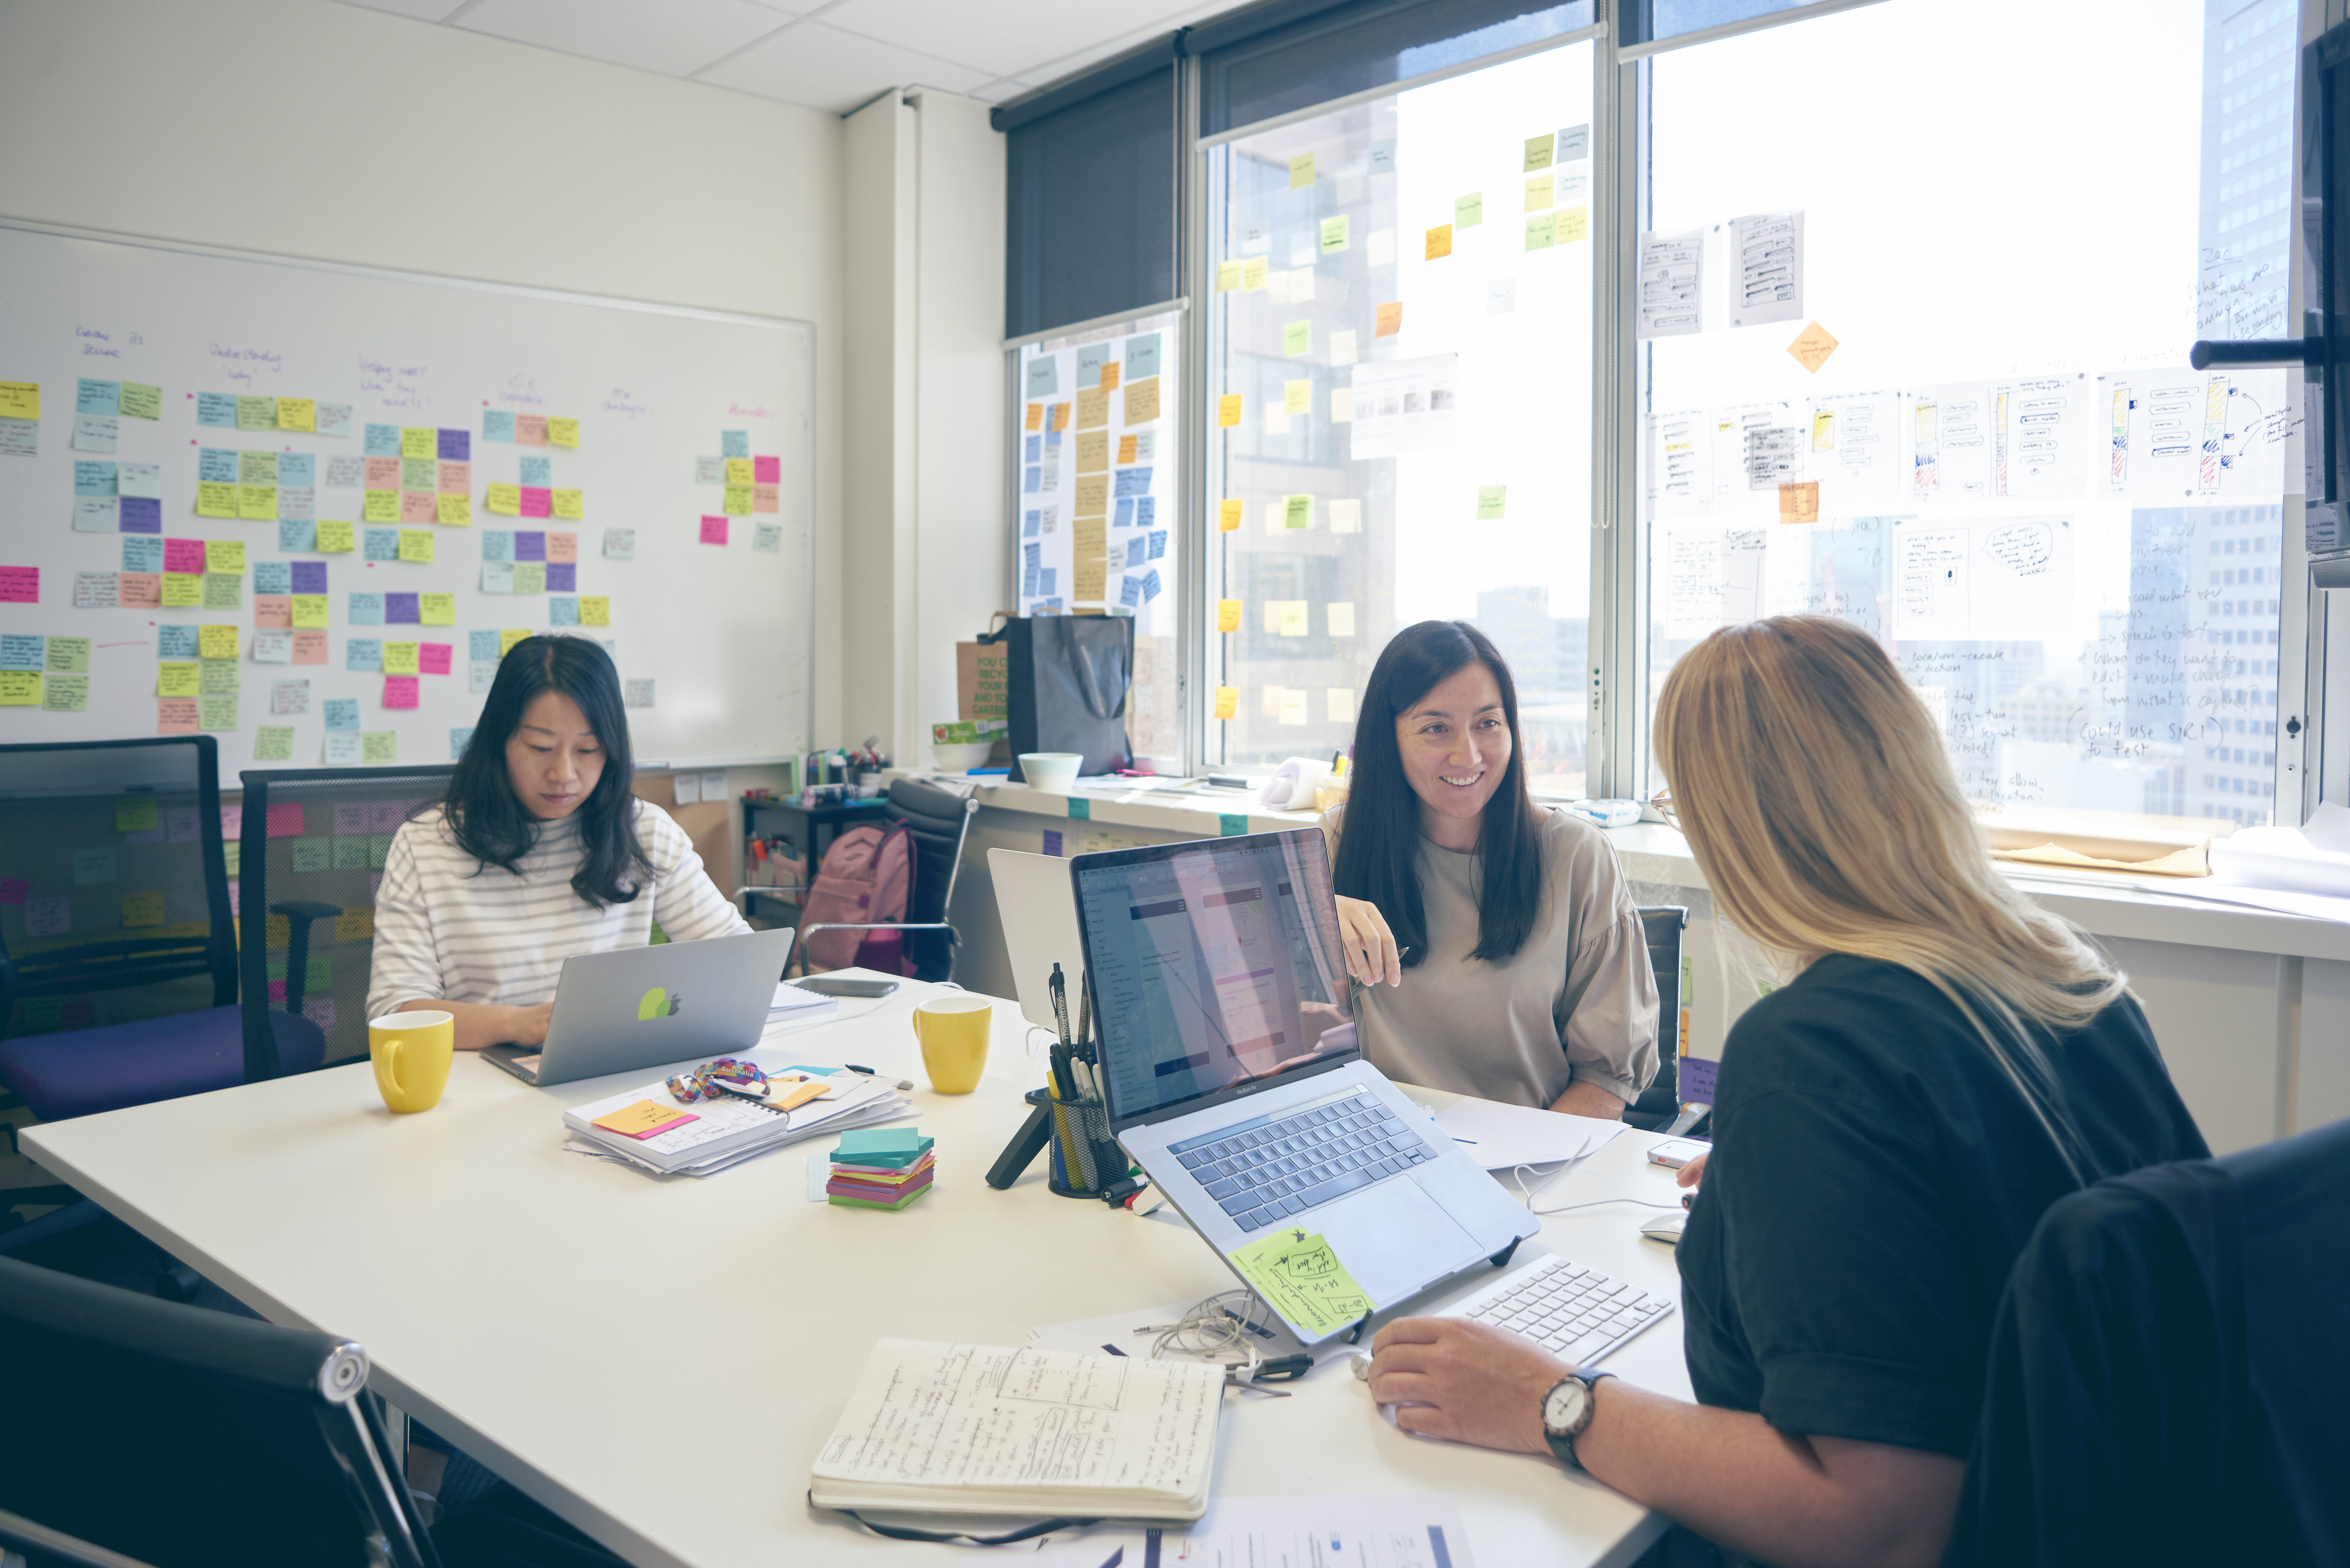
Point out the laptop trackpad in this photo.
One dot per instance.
(1393, 1238)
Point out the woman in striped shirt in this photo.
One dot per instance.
(538, 852)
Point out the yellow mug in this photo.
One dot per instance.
(412, 1053)
(953, 1029)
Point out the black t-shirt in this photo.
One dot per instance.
(1873, 1175)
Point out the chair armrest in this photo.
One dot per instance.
(305, 909)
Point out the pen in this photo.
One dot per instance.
(1084, 1038)
(1059, 989)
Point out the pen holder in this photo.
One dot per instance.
(1086, 1157)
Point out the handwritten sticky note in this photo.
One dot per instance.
(274, 743)
(142, 910)
(1228, 411)
(1297, 397)
(418, 440)
(335, 537)
(223, 555)
(1228, 276)
(1538, 193)
(399, 692)
(1799, 503)
(563, 432)
(1573, 223)
(1491, 501)
(400, 659)
(1812, 346)
(1389, 320)
(1228, 614)
(1285, 617)
(175, 716)
(67, 653)
(20, 399)
(1467, 210)
(256, 502)
(1542, 232)
(416, 545)
(380, 747)
(216, 641)
(297, 413)
(1439, 242)
(1297, 337)
(1255, 273)
(135, 813)
(1228, 514)
(644, 1120)
(713, 530)
(256, 413)
(216, 712)
(1296, 511)
(1228, 702)
(1538, 151)
(594, 610)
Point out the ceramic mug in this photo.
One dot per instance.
(411, 1052)
(953, 1030)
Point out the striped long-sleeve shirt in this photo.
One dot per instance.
(448, 927)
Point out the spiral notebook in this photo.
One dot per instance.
(709, 1134)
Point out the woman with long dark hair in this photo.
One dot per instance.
(538, 852)
(1497, 944)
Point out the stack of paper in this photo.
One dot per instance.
(648, 1128)
(1502, 1137)
(880, 1169)
(792, 1005)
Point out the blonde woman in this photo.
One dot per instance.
(1948, 1060)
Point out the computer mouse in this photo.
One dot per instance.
(1666, 1228)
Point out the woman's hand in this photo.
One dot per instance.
(1371, 955)
(1690, 1173)
(1467, 1381)
(481, 1024)
(528, 1026)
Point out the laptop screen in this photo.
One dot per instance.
(1214, 962)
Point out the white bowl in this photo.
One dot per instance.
(963, 757)
(1052, 771)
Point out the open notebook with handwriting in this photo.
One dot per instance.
(974, 1428)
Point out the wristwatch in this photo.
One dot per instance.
(1566, 1413)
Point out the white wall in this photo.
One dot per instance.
(323, 130)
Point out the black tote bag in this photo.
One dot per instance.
(1066, 679)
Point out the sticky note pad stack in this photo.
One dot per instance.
(880, 1168)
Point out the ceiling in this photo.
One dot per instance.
(833, 55)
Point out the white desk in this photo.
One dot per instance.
(547, 1312)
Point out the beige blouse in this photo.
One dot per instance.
(1579, 1002)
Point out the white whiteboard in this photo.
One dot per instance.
(721, 631)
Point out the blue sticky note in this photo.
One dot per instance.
(1079, 806)
(95, 398)
(1030, 524)
(481, 645)
(1045, 375)
(497, 424)
(141, 515)
(1028, 583)
(365, 654)
(457, 739)
(1144, 508)
(382, 440)
(381, 544)
(1229, 825)
(561, 611)
(497, 576)
(97, 515)
(216, 465)
(1130, 592)
(175, 642)
(1159, 544)
(294, 535)
(734, 443)
(296, 468)
(216, 408)
(1142, 357)
(367, 610)
(1090, 360)
(538, 471)
(907, 1142)
(93, 477)
(1133, 481)
(1032, 556)
(1052, 440)
(1138, 550)
(142, 554)
(1032, 481)
(1150, 585)
(1035, 450)
(24, 650)
(1046, 586)
(272, 577)
(342, 713)
(1125, 517)
(497, 544)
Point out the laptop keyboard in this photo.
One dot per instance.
(1574, 1313)
(1269, 1172)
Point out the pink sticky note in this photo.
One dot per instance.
(419, 507)
(765, 498)
(181, 825)
(350, 819)
(713, 530)
(537, 500)
(310, 648)
(767, 469)
(530, 430)
(383, 473)
(54, 917)
(231, 821)
(13, 891)
(320, 1010)
(20, 584)
(278, 991)
(175, 715)
(184, 555)
(284, 819)
(400, 690)
(232, 899)
(432, 658)
(272, 612)
(140, 590)
(563, 547)
(456, 479)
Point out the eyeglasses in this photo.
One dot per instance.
(1662, 803)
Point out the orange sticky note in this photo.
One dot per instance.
(1036, 416)
(1228, 515)
(1391, 319)
(1799, 503)
(1060, 416)
(1228, 702)
(1126, 449)
(1228, 407)
(1812, 346)
(1440, 241)
(1228, 614)
(1109, 376)
(644, 1120)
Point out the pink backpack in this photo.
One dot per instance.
(867, 875)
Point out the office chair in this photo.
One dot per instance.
(1663, 925)
(939, 821)
(2167, 1371)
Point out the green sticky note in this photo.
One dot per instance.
(379, 746)
(1541, 231)
(351, 854)
(142, 402)
(1297, 511)
(1231, 824)
(1299, 1275)
(378, 851)
(1491, 499)
(1297, 337)
(275, 965)
(1081, 807)
(134, 814)
(218, 678)
(216, 710)
(223, 590)
(69, 653)
(1468, 211)
(310, 853)
(1334, 235)
(65, 693)
(256, 413)
(234, 851)
(274, 743)
(530, 578)
(317, 975)
(256, 468)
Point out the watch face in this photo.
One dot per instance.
(1565, 1405)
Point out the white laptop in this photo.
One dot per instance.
(1038, 910)
(646, 1007)
(1234, 1076)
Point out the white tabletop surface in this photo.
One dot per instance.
(563, 1319)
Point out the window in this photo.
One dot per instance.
(2071, 544)
(1397, 403)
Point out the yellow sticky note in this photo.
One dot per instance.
(1228, 702)
(739, 471)
(380, 505)
(223, 555)
(176, 678)
(1297, 511)
(21, 689)
(1228, 411)
(20, 399)
(457, 511)
(142, 908)
(1538, 190)
(1093, 408)
(1253, 273)
(256, 502)
(215, 499)
(506, 500)
(1228, 514)
(416, 545)
(1341, 700)
(1300, 1276)
(1538, 151)
(1388, 319)
(1297, 396)
(183, 590)
(1439, 242)
(335, 536)
(1335, 235)
(1228, 278)
(1574, 224)
(1800, 502)
(572, 503)
(1294, 705)
(216, 642)
(1141, 401)
(643, 1119)
(1468, 211)
(416, 440)
(1300, 170)
(1228, 614)
(563, 432)
(1340, 615)
(309, 612)
(436, 609)
(1491, 501)
(400, 659)
(594, 610)
(1284, 618)
(297, 413)
(134, 814)
(509, 637)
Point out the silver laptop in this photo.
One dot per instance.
(1038, 909)
(1234, 1079)
(647, 1007)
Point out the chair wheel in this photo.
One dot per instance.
(178, 1282)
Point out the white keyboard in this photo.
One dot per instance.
(1574, 1312)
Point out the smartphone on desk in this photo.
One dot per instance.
(825, 985)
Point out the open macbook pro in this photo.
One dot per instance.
(643, 1007)
(1234, 1076)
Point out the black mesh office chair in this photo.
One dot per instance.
(1663, 925)
(939, 820)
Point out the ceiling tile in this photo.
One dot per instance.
(674, 38)
(1002, 37)
(812, 64)
(422, 10)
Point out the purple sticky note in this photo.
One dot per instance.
(399, 609)
(141, 515)
(456, 446)
(350, 819)
(1052, 841)
(562, 577)
(309, 576)
(530, 547)
(181, 825)
(1695, 1081)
